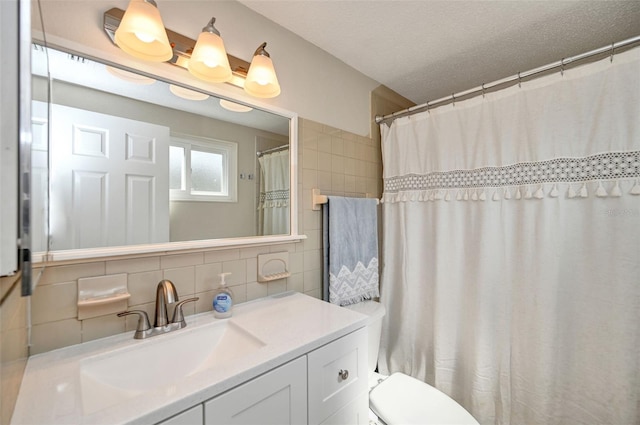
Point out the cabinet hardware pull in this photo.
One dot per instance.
(343, 374)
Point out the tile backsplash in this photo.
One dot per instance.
(54, 303)
(14, 343)
(336, 162)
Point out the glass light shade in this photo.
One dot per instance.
(141, 33)
(261, 79)
(209, 61)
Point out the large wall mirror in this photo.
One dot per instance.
(126, 160)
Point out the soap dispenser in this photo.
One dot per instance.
(223, 299)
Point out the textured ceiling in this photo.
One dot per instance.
(425, 50)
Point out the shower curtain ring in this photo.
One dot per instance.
(562, 67)
(483, 90)
(453, 97)
(519, 81)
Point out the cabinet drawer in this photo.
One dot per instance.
(329, 389)
(354, 413)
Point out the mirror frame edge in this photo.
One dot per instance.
(25, 137)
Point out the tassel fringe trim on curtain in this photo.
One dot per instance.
(598, 175)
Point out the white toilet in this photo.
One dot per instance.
(400, 399)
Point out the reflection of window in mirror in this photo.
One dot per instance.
(202, 170)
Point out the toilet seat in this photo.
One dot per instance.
(401, 399)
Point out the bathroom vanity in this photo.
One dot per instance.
(285, 359)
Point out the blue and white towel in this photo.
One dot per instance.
(350, 236)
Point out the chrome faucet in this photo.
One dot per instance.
(165, 294)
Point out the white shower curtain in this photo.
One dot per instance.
(511, 256)
(273, 205)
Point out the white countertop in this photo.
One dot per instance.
(289, 324)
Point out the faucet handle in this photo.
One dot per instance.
(143, 319)
(178, 316)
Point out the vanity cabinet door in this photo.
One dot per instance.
(354, 413)
(278, 397)
(192, 416)
(337, 376)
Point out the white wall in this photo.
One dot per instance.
(315, 85)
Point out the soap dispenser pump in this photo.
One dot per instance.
(223, 299)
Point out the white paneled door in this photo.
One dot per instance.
(109, 180)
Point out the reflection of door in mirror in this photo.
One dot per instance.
(109, 181)
(273, 176)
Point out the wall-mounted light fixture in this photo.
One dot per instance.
(209, 60)
(141, 32)
(206, 59)
(261, 79)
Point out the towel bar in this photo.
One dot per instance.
(317, 199)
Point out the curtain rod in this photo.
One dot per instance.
(276, 149)
(518, 77)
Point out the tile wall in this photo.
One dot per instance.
(13, 343)
(336, 162)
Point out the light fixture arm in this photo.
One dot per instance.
(210, 28)
(258, 78)
(261, 51)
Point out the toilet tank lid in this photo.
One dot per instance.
(371, 308)
(401, 399)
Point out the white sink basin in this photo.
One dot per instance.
(159, 362)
